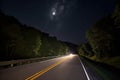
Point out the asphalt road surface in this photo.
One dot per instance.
(67, 67)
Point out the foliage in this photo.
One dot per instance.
(21, 41)
(100, 37)
(103, 40)
(85, 49)
(51, 46)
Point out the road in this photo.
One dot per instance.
(67, 67)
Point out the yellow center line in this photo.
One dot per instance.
(38, 74)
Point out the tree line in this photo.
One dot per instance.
(103, 38)
(18, 41)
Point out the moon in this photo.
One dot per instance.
(53, 13)
(57, 10)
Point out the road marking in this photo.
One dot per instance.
(84, 70)
(38, 74)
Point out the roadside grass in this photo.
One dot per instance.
(113, 61)
(106, 72)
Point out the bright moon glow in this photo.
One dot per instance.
(53, 13)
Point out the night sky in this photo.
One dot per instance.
(68, 20)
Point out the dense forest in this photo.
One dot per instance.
(18, 41)
(103, 40)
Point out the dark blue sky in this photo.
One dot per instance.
(71, 20)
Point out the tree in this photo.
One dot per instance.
(10, 34)
(100, 37)
(21, 41)
(85, 49)
(32, 41)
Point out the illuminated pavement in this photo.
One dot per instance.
(62, 68)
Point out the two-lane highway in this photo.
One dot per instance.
(63, 68)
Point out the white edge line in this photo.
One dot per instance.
(84, 70)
